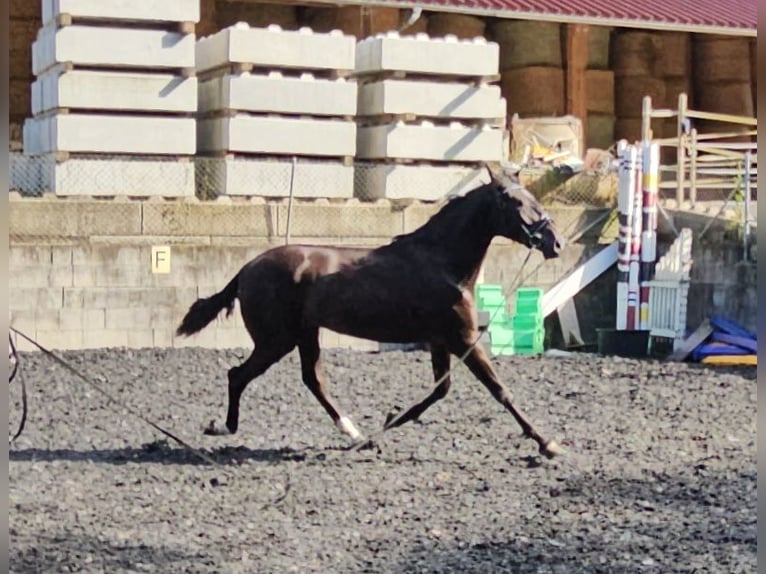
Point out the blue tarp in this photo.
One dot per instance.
(728, 338)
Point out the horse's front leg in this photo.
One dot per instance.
(440, 361)
(478, 363)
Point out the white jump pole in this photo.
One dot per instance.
(634, 275)
(650, 178)
(625, 210)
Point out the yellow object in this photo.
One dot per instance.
(731, 360)
(160, 259)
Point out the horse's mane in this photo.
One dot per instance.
(455, 210)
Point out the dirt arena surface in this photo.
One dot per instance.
(659, 474)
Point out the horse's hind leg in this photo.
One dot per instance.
(240, 376)
(308, 347)
(440, 361)
(478, 363)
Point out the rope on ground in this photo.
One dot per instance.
(14, 360)
(115, 401)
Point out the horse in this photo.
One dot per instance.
(419, 288)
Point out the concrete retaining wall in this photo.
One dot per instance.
(80, 271)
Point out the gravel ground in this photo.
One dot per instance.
(659, 475)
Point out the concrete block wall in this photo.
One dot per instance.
(297, 104)
(426, 101)
(274, 48)
(134, 61)
(275, 93)
(103, 90)
(144, 11)
(93, 285)
(421, 54)
(426, 141)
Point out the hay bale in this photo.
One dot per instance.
(463, 26)
(599, 86)
(754, 73)
(208, 23)
(600, 132)
(729, 98)
(318, 18)
(674, 87)
(526, 43)
(354, 20)
(534, 91)
(627, 128)
(674, 57)
(599, 40)
(20, 100)
(629, 94)
(668, 128)
(635, 53)
(720, 59)
(256, 14)
(23, 10)
(15, 130)
(419, 27)
(20, 48)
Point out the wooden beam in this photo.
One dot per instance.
(576, 65)
(688, 345)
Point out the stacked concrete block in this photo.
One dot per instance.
(268, 95)
(114, 98)
(428, 114)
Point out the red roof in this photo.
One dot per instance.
(720, 16)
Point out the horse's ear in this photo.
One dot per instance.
(495, 178)
(502, 177)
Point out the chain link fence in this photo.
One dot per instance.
(208, 178)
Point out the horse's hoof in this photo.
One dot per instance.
(213, 430)
(551, 449)
(391, 417)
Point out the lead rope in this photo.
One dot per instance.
(112, 400)
(14, 358)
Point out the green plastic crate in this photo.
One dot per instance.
(528, 338)
(500, 335)
(529, 293)
(527, 322)
(498, 316)
(527, 350)
(484, 299)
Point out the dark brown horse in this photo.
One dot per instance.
(417, 289)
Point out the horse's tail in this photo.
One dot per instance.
(203, 311)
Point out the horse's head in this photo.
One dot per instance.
(520, 217)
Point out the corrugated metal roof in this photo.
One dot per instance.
(738, 17)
